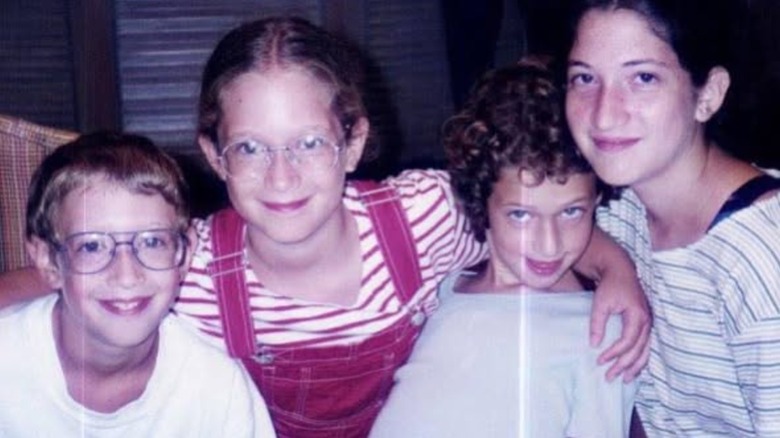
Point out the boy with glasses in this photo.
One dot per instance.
(107, 226)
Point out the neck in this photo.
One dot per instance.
(321, 247)
(80, 353)
(330, 258)
(678, 217)
(99, 377)
(492, 279)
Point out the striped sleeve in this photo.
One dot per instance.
(444, 238)
(742, 258)
(714, 366)
(442, 241)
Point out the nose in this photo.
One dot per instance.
(548, 239)
(125, 268)
(281, 174)
(609, 110)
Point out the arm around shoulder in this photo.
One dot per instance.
(618, 292)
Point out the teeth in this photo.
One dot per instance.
(126, 305)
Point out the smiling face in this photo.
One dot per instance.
(121, 306)
(537, 232)
(631, 107)
(286, 203)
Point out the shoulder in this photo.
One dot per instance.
(26, 337)
(625, 220)
(27, 314)
(209, 383)
(424, 195)
(749, 236)
(447, 286)
(205, 366)
(198, 285)
(419, 179)
(184, 339)
(740, 257)
(624, 217)
(422, 190)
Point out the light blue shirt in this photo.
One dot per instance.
(507, 365)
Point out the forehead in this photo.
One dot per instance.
(621, 36)
(103, 205)
(276, 103)
(520, 187)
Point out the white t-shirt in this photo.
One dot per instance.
(194, 391)
(507, 365)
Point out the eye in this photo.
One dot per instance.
(577, 80)
(245, 148)
(572, 212)
(519, 215)
(154, 241)
(311, 144)
(89, 244)
(646, 78)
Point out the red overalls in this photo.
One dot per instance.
(326, 391)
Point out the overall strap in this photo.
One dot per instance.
(745, 195)
(394, 235)
(227, 272)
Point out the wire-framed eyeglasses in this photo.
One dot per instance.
(91, 252)
(249, 157)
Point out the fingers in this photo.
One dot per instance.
(598, 323)
(633, 371)
(631, 351)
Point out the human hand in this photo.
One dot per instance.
(622, 295)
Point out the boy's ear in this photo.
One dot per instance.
(192, 241)
(210, 150)
(44, 260)
(356, 144)
(712, 94)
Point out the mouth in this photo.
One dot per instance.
(285, 207)
(614, 144)
(126, 307)
(544, 269)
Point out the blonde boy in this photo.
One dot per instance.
(107, 226)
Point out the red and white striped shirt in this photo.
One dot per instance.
(443, 243)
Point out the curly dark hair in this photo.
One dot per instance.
(513, 118)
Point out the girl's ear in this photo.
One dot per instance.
(712, 94)
(44, 260)
(210, 150)
(356, 144)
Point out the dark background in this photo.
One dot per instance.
(135, 64)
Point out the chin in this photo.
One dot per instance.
(540, 285)
(618, 176)
(133, 340)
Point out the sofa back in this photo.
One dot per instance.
(23, 145)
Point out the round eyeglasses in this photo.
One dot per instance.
(92, 252)
(251, 158)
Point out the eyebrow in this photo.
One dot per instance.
(633, 63)
(580, 200)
